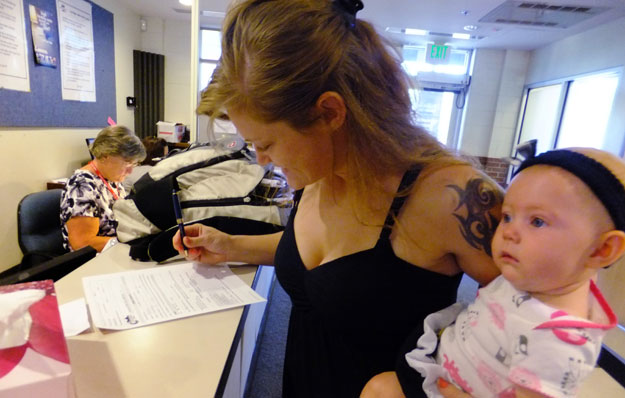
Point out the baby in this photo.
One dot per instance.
(536, 330)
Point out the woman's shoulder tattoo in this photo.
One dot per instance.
(475, 201)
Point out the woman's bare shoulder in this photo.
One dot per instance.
(454, 180)
(450, 199)
(454, 210)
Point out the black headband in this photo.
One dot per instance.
(349, 8)
(606, 187)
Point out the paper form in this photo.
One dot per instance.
(132, 299)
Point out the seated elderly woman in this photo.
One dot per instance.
(87, 200)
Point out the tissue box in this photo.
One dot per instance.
(170, 132)
(40, 366)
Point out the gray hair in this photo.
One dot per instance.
(118, 141)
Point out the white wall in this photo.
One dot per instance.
(481, 102)
(32, 156)
(173, 40)
(508, 103)
(493, 101)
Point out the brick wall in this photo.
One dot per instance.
(495, 168)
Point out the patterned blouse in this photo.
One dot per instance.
(86, 195)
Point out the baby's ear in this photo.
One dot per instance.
(611, 247)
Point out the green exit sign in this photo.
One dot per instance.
(437, 54)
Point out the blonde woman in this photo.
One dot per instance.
(385, 217)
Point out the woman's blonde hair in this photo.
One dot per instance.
(279, 56)
(118, 141)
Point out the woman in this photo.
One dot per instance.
(87, 200)
(386, 220)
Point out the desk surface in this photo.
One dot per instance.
(181, 358)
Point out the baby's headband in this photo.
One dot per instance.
(606, 187)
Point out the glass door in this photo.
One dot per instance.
(436, 112)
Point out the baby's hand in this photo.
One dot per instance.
(450, 391)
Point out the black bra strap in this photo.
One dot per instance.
(409, 177)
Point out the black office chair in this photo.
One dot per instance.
(39, 227)
(39, 236)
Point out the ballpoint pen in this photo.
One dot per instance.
(178, 214)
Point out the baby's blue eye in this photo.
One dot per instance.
(506, 218)
(538, 222)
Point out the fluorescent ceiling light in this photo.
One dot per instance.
(185, 2)
(464, 36)
(417, 32)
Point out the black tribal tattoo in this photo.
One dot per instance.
(477, 225)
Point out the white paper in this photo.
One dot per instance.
(76, 50)
(131, 299)
(74, 317)
(13, 54)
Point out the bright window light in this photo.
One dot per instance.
(211, 44)
(587, 111)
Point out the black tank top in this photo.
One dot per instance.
(351, 315)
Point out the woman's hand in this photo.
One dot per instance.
(448, 390)
(205, 244)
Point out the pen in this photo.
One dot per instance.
(178, 213)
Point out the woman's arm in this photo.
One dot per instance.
(477, 203)
(450, 220)
(83, 231)
(211, 246)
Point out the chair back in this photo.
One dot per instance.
(39, 223)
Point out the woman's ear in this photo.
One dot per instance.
(331, 107)
(611, 247)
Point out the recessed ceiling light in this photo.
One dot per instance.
(470, 28)
(417, 32)
(185, 2)
(464, 36)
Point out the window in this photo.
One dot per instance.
(210, 51)
(540, 121)
(433, 112)
(437, 102)
(571, 112)
(587, 111)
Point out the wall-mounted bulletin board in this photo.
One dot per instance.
(44, 105)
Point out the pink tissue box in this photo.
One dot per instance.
(39, 368)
